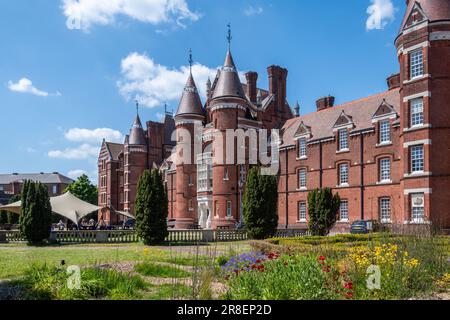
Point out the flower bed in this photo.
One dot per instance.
(408, 268)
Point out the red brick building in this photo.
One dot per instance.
(386, 155)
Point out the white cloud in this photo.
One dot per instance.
(380, 12)
(93, 136)
(75, 174)
(153, 84)
(25, 85)
(82, 152)
(105, 12)
(253, 11)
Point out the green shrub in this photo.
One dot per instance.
(323, 208)
(36, 217)
(151, 208)
(260, 205)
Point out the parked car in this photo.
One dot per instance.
(360, 227)
(130, 224)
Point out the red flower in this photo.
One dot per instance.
(326, 269)
(349, 295)
(258, 261)
(322, 258)
(348, 285)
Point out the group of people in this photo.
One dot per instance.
(84, 225)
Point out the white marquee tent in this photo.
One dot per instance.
(67, 206)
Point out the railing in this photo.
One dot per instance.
(130, 236)
(291, 233)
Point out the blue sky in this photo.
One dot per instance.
(65, 86)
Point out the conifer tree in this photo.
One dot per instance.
(260, 205)
(36, 213)
(323, 208)
(151, 208)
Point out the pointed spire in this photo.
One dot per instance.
(137, 135)
(297, 109)
(190, 103)
(228, 84)
(191, 61)
(229, 36)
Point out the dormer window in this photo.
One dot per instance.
(385, 131)
(343, 140)
(416, 63)
(302, 148)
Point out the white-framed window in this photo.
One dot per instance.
(225, 174)
(343, 174)
(417, 159)
(385, 209)
(204, 173)
(302, 178)
(191, 183)
(416, 63)
(55, 189)
(302, 148)
(343, 139)
(229, 212)
(385, 169)
(343, 211)
(418, 207)
(416, 112)
(301, 211)
(385, 131)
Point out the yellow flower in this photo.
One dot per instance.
(146, 251)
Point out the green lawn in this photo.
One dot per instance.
(16, 258)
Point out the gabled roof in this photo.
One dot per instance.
(322, 123)
(228, 83)
(47, 178)
(190, 103)
(114, 149)
(343, 120)
(384, 109)
(434, 10)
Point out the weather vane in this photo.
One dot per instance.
(137, 107)
(191, 60)
(229, 37)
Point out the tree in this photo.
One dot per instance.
(3, 217)
(36, 217)
(260, 205)
(83, 189)
(323, 209)
(151, 208)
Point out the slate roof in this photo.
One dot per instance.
(137, 135)
(228, 82)
(434, 10)
(322, 123)
(47, 178)
(190, 102)
(114, 149)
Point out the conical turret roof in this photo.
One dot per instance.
(228, 84)
(137, 135)
(190, 102)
